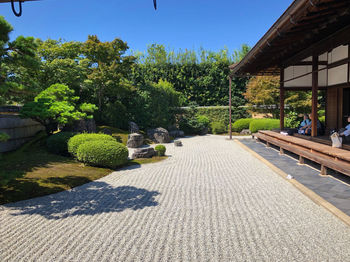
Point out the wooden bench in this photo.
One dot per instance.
(327, 156)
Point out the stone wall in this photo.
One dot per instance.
(19, 130)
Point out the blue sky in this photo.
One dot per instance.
(191, 24)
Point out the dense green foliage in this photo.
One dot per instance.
(292, 120)
(77, 140)
(218, 128)
(144, 88)
(4, 137)
(194, 124)
(262, 96)
(220, 113)
(200, 76)
(58, 143)
(322, 119)
(263, 124)
(160, 150)
(108, 74)
(56, 105)
(19, 66)
(155, 104)
(241, 124)
(103, 153)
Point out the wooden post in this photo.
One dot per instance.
(323, 170)
(230, 105)
(282, 99)
(314, 115)
(301, 160)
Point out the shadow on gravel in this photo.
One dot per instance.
(90, 199)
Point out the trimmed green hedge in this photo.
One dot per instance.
(220, 113)
(241, 124)
(218, 128)
(58, 143)
(160, 150)
(263, 124)
(103, 153)
(77, 140)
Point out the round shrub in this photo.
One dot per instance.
(218, 128)
(58, 143)
(263, 124)
(160, 150)
(241, 124)
(77, 140)
(103, 153)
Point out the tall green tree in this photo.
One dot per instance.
(262, 95)
(19, 66)
(108, 70)
(64, 63)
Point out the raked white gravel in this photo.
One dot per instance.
(209, 201)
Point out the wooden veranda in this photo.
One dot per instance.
(309, 48)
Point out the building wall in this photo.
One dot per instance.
(327, 77)
(19, 130)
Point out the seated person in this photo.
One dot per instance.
(345, 132)
(308, 128)
(304, 124)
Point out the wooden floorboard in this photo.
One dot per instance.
(322, 148)
(327, 156)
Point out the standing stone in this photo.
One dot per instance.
(81, 126)
(177, 133)
(143, 153)
(135, 140)
(133, 127)
(159, 135)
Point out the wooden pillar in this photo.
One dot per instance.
(230, 105)
(282, 99)
(314, 115)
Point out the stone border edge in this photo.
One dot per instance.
(306, 191)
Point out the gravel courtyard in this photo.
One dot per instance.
(210, 201)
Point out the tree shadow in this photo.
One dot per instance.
(70, 181)
(90, 199)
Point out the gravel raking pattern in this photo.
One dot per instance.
(210, 201)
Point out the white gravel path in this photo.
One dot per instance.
(210, 201)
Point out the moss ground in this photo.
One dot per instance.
(31, 171)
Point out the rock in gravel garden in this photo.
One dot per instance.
(159, 135)
(177, 133)
(135, 140)
(133, 127)
(246, 132)
(178, 143)
(143, 153)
